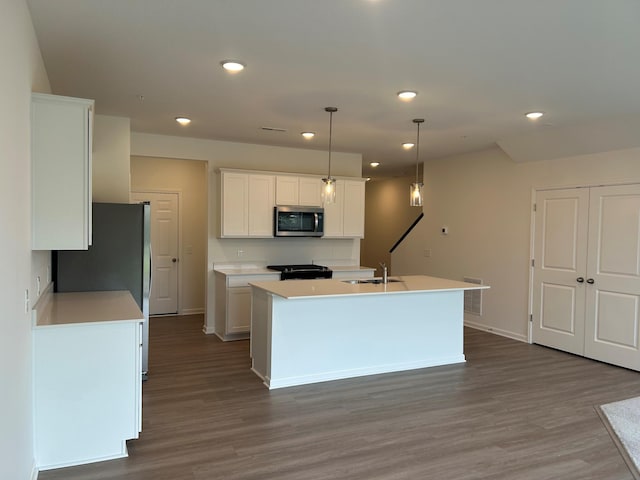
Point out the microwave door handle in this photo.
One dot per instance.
(315, 217)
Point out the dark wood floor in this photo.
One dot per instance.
(513, 411)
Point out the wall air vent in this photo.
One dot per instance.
(473, 298)
(274, 129)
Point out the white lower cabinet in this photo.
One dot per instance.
(238, 310)
(233, 303)
(87, 391)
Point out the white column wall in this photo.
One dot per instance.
(21, 71)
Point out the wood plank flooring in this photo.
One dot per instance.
(513, 411)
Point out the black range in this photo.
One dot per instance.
(302, 272)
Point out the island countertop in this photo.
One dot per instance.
(298, 289)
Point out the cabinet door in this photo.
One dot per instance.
(353, 207)
(287, 190)
(261, 203)
(238, 310)
(61, 172)
(333, 213)
(310, 191)
(234, 204)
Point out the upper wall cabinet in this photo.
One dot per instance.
(247, 201)
(61, 143)
(345, 217)
(298, 190)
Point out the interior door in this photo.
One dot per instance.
(163, 298)
(613, 276)
(560, 249)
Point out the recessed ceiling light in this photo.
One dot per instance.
(308, 135)
(232, 66)
(184, 121)
(534, 115)
(374, 164)
(407, 95)
(408, 145)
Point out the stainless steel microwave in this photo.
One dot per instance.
(298, 221)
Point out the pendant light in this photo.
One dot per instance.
(329, 187)
(415, 190)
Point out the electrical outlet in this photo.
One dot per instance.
(240, 253)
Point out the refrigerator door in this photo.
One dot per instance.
(118, 259)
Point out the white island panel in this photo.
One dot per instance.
(328, 337)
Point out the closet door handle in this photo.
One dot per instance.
(590, 281)
(580, 279)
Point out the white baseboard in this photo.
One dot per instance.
(208, 330)
(496, 331)
(192, 311)
(358, 372)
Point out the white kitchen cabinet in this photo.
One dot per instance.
(238, 310)
(87, 377)
(298, 190)
(61, 143)
(261, 203)
(345, 217)
(247, 201)
(353, 209)
(287, 190)
(233, 303)
(310, 189)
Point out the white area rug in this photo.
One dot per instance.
(622, 420)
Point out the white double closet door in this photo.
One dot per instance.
(586, 275)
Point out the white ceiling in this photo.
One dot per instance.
(478, 66)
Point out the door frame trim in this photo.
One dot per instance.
(142, 191)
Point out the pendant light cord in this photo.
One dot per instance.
(330, 137)
(417, 121)
(331, 110)
(417, 151)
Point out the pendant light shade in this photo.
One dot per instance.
(415, 190)
(329, 183)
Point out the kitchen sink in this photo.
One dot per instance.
(370, 280)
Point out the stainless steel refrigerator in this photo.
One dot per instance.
(118, 259)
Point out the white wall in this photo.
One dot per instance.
(21, 71)
(111, 145)
(255, 157)
(485, 200)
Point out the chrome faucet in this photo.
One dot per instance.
(385, 278)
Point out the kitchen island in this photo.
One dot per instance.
(307, 331)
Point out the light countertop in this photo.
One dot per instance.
(56, 309)
(296, 289)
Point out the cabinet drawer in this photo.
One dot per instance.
(243, 280)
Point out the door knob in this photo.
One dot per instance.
(580, 279)
(174, 260)
(591, 281)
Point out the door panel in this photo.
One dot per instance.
(613, 299)
(163, 298)
(560, 244)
